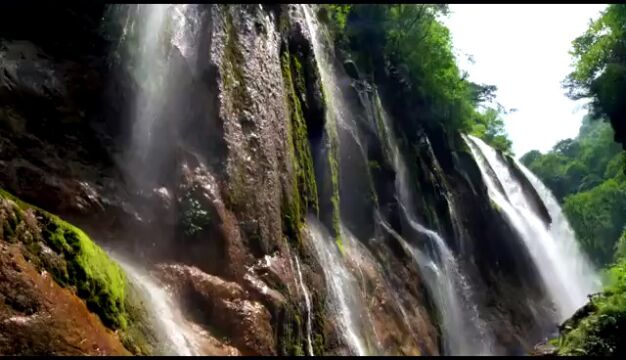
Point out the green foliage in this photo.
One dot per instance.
(598, 217)
(600, 67)
(97, 279)
(598, 328)
(600, 46)
(620, 248)
(489, 126)
(335, 16)
(195, 217)
(413, 39)
(579, 164)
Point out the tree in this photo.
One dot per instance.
(600, 68)
(598, 217)
(412, 42)
(489, 126)
(530, 157)
(567, 147)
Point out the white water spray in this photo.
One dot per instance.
(464, 332)
(169, 320)
(566, 274)
(307, 302)
(150, 34)
(342, 287)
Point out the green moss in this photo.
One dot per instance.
(298, 78)
(139, 337)
(97, 279)
(237, 100)
(304, 193)
(299, 134)
(291, 341)
(598, 329)
(234, 81)
(9, 227)
(374, 165)
(494, 205)
(83, 266)
(318, 318)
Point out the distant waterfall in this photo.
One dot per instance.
(464, 332)
(567, 275)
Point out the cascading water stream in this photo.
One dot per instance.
(177, 338)
(342, 286)
(566, 238)
(566, 274)
(149, 74)
(464, 331)
(447, 279)
(307, 302)
(150, 34)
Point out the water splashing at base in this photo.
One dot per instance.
(342, 287)
(176, 338)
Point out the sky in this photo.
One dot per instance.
(523, 50)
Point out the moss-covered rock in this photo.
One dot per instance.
(74, 261)
(304, 194)
(599, 327)
(97, 279)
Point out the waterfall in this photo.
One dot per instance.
(464, 332)
(307, 302)
(151, 34)
(341, 284)
(149, 68)
(561, 230)
(566, 274)
(342, 287)
(461, 322)
(169, 321)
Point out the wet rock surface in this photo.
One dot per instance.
(214, 214)
(221, 306)
(38, 317)
(401, 324)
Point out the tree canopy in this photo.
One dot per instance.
(599, 59)
(414, 40)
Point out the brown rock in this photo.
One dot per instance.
(248, 322)
(221, 305)
(38, 317)
(182, 277)
(219, 249)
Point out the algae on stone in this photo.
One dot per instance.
(77, 262)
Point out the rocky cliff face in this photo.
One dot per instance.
(239, 162)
